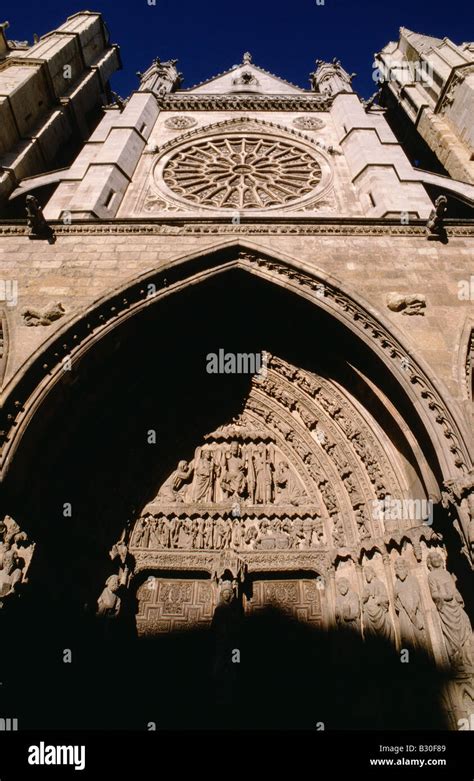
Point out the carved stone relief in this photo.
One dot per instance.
(180, 123)
(16, 552)
(242, 172)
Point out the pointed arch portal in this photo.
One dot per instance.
(275, 485)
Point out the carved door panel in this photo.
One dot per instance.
(168, 605)
(296, 597)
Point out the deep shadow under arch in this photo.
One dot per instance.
(90, 449)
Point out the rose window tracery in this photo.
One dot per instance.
(242, 172)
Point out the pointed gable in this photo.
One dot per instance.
(246, 78)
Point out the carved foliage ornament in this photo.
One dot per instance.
(308, 123)
(180, 123)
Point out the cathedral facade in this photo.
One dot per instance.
(237, 337)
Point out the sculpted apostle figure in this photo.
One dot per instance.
(10, 569)
(455, 623)
(375, 607)
(408, 606)
(287, 489)
(171, 489)
(263, 478)
(108, 604)
(204, 478)
(233, 481)
(347, 606)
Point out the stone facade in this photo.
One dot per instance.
(341, 489)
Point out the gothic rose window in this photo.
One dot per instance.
(242, 172)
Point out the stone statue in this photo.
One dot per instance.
(362, 523)
(460, 494)
(204, 478)
(233, 481)
(108, 604)
(435, 225)
(225, 628)
(47, 316)
(120, 551)
(347, 606)
(408, 606)
(209, 533)
(141, 533)
(337, 533)
(218, 533)
(176, 527)
(455, 623)
(263, 477)
(227, 529)
(287, 489)
(11, 566)
(39, 228)
(16, 552)
(413, 304)
(238, 532)
(166, 533)
(172, 489)
(375, 602)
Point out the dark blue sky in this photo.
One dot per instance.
(284, 37)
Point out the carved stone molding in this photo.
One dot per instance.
(438, 417)
(241, 124)
(294, 103)
(280, 226)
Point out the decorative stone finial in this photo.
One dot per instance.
(247, 58)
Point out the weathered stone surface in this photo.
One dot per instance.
(320, 486)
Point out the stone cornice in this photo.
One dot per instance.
(188, 102)
(248, 226)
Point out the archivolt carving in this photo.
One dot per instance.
(74, 338)
(294, 472)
